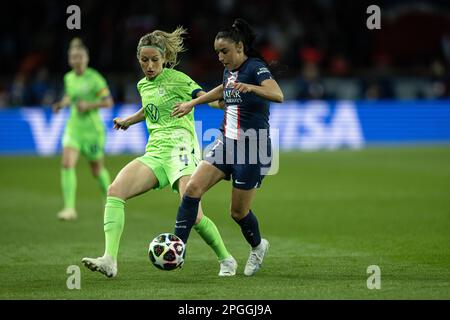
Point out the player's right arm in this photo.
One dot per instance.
(183, 108)
(124, 124)
(65, 101)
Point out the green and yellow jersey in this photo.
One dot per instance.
(85, 131)
(159, 96)
(90, 87)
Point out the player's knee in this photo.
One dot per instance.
(95, 172)
(65, 164)
(115, 191)
(193, 189)
(96, 168)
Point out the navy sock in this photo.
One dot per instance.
(187, 213)
(250, 229)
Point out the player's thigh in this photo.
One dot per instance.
(71, 149)
(69, 157)
(134, 179)
(241, 202)
(182, 183)
(204, 177)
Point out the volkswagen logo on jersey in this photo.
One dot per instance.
(151, 112)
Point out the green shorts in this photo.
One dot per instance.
(169, 167)
(92, 147)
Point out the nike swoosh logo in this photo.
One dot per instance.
(239, 182)
(181, 221)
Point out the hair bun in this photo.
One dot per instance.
(237, 23)
(244, 28)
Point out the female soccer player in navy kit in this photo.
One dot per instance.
(247, 89)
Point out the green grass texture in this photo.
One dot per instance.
(327, 214)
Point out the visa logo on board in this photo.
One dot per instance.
(315, 125)
(311, 125)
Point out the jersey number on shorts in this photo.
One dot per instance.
(93, 148)
(184, 157)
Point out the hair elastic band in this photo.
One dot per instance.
(153, 47)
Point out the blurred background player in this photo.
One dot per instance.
(171, 154)
(247, 89)
(86, 91)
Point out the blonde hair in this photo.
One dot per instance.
(77, 43)
(169, 44)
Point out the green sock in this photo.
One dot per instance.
(114, 221)
(104, 180)
(210, 234)
(69, 187)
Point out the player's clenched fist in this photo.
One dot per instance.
(120, 124)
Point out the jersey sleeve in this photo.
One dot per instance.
(261, 72)
(189, 86)
(101, 87)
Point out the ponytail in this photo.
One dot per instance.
(169, 44)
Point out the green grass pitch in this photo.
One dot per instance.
(327, 215)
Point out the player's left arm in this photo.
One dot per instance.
(269, 89)
(124, 124)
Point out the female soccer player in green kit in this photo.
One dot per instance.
(172, 151)
(86, 91)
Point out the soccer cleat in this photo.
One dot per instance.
(256, 258)
(67, 214)
(105, 265)
(228, 267)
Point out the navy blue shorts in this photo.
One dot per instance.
(247, 161)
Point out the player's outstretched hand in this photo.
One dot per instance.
(181, 109)
(120, 124)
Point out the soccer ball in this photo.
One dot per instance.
(166, 251)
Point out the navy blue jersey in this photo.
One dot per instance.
(245, 110)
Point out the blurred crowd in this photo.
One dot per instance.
(317, 49)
